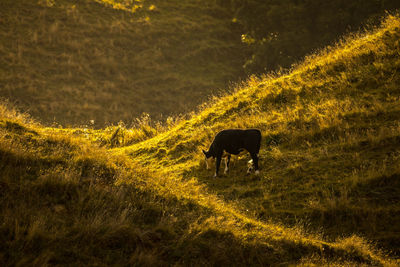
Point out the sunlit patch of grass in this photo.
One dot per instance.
(125, 5)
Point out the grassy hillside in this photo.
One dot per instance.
(328, 184)
(330, 153)
(70, 62)
(66, 201)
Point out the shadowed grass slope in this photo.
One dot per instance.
(330, 153)
(74, 61)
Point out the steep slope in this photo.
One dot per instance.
(330, 152)
(74, 61)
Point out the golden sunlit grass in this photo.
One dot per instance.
(128, 5)
(125, 196)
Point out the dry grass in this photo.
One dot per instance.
(330, 158)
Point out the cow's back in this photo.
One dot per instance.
(252, 140)
(232, 140)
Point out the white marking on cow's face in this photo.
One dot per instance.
(208, 162)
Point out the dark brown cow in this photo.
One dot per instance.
(234, 141)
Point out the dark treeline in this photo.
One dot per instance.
(280, 32)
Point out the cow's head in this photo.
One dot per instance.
(209, 159)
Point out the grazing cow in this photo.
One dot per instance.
(234, 141)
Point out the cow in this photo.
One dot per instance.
(234, 141)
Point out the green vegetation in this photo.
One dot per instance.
(329, 184)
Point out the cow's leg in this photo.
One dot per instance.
(250, 166)
(227, 160)
(254, 157)
(217, 164)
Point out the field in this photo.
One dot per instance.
(328, 192)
